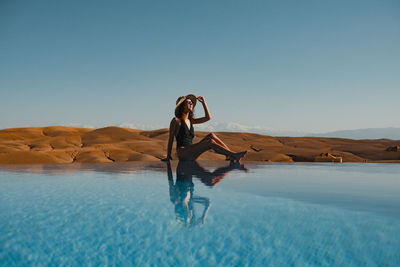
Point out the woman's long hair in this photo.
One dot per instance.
(179, 111)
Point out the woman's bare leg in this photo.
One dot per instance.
(218, 141)
(194, 151)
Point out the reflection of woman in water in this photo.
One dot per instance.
(181, 193)
(181, 128)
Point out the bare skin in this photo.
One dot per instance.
(211, 141)
(218, 141)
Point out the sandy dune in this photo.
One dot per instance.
(58, 144)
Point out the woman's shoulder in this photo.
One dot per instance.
(175, 121)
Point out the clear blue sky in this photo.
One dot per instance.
(311, 66)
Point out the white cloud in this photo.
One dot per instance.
(79, 125)
(140, 126)
(128, 125)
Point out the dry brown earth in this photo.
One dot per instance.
(58, 144)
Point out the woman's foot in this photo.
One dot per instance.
(239, 155)
(239, 166)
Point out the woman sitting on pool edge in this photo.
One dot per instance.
(181, 127)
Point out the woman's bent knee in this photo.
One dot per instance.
(211, 136)
(212, 142)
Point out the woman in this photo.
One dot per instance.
(181, 128)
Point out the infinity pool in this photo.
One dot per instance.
(203, 214)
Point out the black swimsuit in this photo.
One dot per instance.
(185, 135)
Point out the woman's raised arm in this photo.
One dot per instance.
(207, 116)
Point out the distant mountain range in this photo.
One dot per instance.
(368, 133)
(236, 127)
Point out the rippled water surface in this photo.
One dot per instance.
(200, 214)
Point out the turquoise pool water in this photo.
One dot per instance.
(200, 215)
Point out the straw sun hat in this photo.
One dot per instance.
(182, 99)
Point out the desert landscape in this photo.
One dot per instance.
(59, 144)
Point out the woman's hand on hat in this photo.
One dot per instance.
(201, 99)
